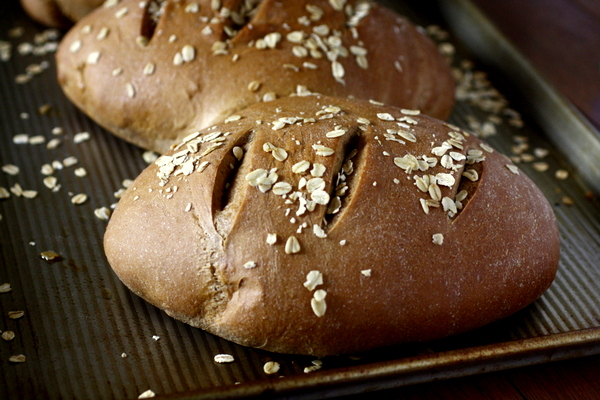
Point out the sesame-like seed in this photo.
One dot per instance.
(541, 166)
(295, 37)
(313, 279)
(38, 139)
(250, 264)
(8, 336)
(15, 314)
(75, 46)
(513, 168)
(188, 53)
(336, 133)
(366, 272)
(445, 179)
(117, 71)
(318, 170)
(192, 7)
(315, 184)
(301, 167)
(10, 169)
(471, 175)
(448, 205)
(460, 196)
(322, 150)
(238, 152)
(224, 358)
(271, 238)
(300, 51)
(122, 12)
(318, 304)
(5, 288)
(130, 90)
(271, 367)
(540, 152)
(408, 136)
(279, 154)
(269, 96)
(141, 41)
(207, 30)
(69, 161)
(434, 191)
(19, 358)
(80, 172)
(282, 188)
(292, 245)
(232, 118)
(53, 144)
(337, 69)
(79, 198)
(567, 200)
(320, 197)
(424, 205)
(410, 112)
(337, 5)
(102, 213)
(254, 86)
(178, 59)
(561, 174)
(271, 39)
(81, 137)
(29, 194)
(50, 182)
(343, 242)
(148, 394)
(21, 138)
(149, 68)
(93, 57)
(385, 117)
(438, 239)
(319, 232)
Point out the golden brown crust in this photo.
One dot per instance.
(225, 63)
(399, 263)
(59, 13)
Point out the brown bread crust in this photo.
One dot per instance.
(128, 81)
(59, 13)
(190, 234)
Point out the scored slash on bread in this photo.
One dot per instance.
(154, 71)
(320, 225)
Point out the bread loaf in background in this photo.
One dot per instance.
(151, 74)
(320, 225)
(59, 13)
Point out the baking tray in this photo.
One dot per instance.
(84, 335)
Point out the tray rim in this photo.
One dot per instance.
(417, 369)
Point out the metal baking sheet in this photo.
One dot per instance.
(84, 335)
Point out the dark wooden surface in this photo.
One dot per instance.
(561, 38)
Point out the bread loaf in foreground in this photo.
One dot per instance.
(59, 13)
(150, 74)
(318, 225)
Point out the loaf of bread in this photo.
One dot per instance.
(149, 73)
(319, 225)
(59, 13)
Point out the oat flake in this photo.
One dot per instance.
(271, 367)
(224, 358)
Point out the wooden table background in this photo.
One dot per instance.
(562, 40)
